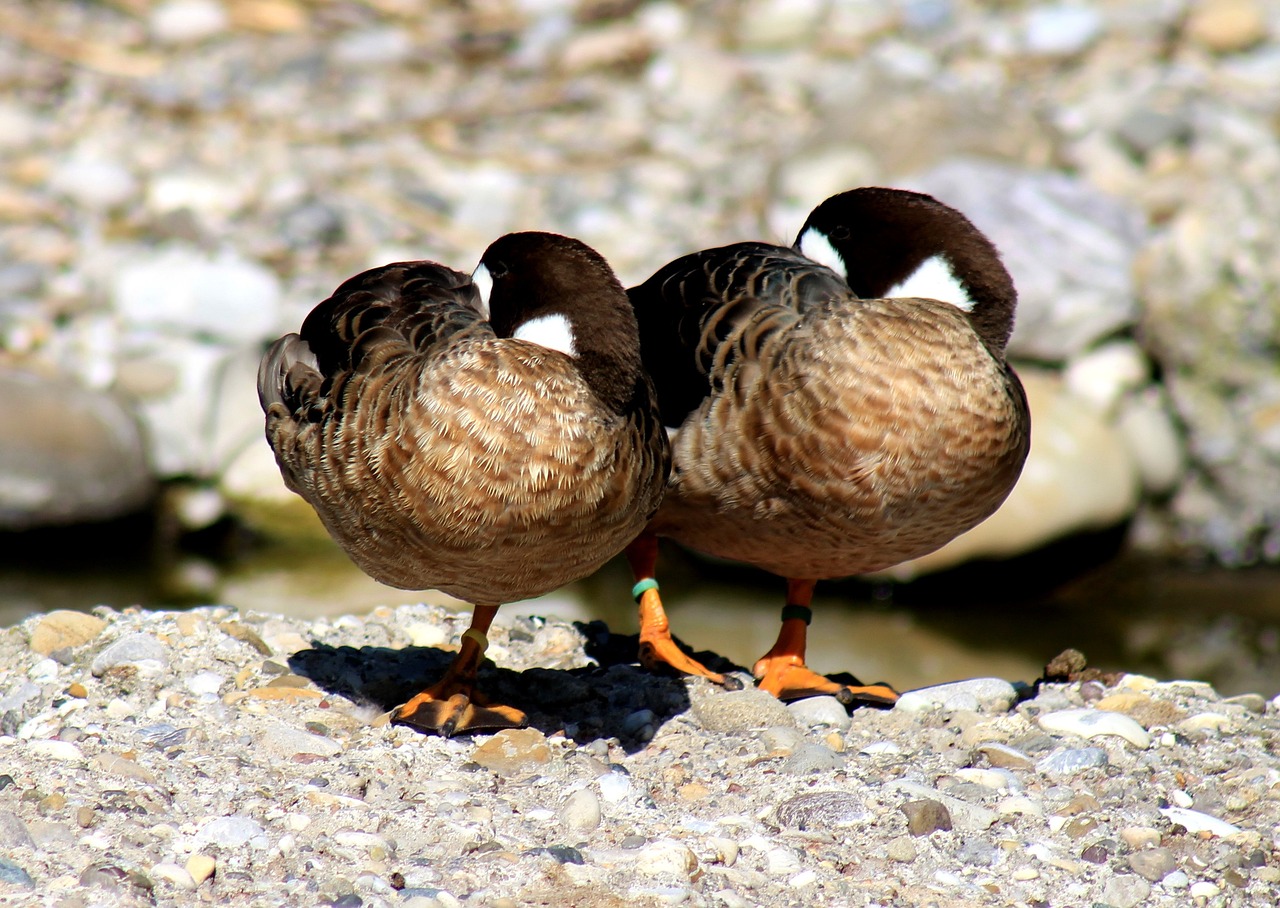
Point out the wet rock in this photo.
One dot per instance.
(513, 750)
(741, 710)
(71, 454)
(821, 810)
(61, 629)
(925, 816)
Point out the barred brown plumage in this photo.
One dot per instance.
(440, 452)
(825, 430)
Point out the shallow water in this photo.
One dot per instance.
(1125, 613)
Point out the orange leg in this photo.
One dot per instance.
(452, 704)
(782, 671)
(657, 649)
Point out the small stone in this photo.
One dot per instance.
(1254, 703)
(992, 695)
(1227, 26)
(187, 21)
(201, 867)
(901, 849)
(1153, 864)
(61, 629)
(1061, 30)
(925, 816)
(640, 724)
(13, 874)
(666, 857)
(513, 750)
(106, 875)
(1095, 854)
(173, 873)
(978, 852)
(1125, 891)
(231, 832)
(1069, 761)
(781, 862)
(821, 810)
(1002, 756)
(1139, 837)
(77, 691)
(56, 750)
(85, 817)
(693, 792)
(810, 758)
(815, 711)
(131, 649)
(1176, 880)
(1195, 822)
(1205, 723)
(1092, 723)
(13, 832)
(580, 814)
(740, 710)
(1203, 890)
(286, 741)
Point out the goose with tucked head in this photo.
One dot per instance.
(492, 437)
(840, 406)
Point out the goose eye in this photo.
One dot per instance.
(840, 232)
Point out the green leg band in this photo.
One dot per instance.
(803, 612)
(643, 587)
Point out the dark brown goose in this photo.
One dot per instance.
(494, 448)
(843, 406)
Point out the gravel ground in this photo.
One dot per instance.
(225, 758)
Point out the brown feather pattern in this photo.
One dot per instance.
(440, 455)
(823, 435)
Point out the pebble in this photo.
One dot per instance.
(1227, 26)
(1061, 30)
(1194, 821)
(1125, 891)
(173, 873)
(231, 832)
(14, 875)
(513, 750)
(666, 858)
(1069, 761)
(813, 758)
(56, 750)
(812, 712)
(60, 629)
(580, 814)
(1153, 864)
(901, 849)
(131, 649)
(742, 710)
(187, 21)
(822, 810)
(200, 867)
(1203, 889)
(925, 816)
(993, 695)
(283, 741)
(1092, 723)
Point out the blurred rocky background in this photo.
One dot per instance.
(181, 180)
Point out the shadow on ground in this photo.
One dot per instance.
(586, 704)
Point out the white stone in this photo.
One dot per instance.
(94, 182)
(881, 747)
(815, 711)
(665, 857)
(1196, 822)
(173, 873)
(187, 21)
(231, 832)
(56, 750)
(1092, 723)
(205, 683)
(580, 814)
(1061, 30)
(1101, 376)
(975, 694)
(614, 786)
(182, 290)
(1203, 890)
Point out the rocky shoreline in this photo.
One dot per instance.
(214, 757)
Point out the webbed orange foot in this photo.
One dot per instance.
(460, 713)
(790, 679)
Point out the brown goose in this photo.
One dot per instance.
(843, 406)
(494, 439)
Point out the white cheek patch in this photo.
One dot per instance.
(551, 331)
(815, 246)
(484, 283)
(934, 280)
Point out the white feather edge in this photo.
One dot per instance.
(933, 280)
(551, 331)
(815, 246)
(484, 283)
